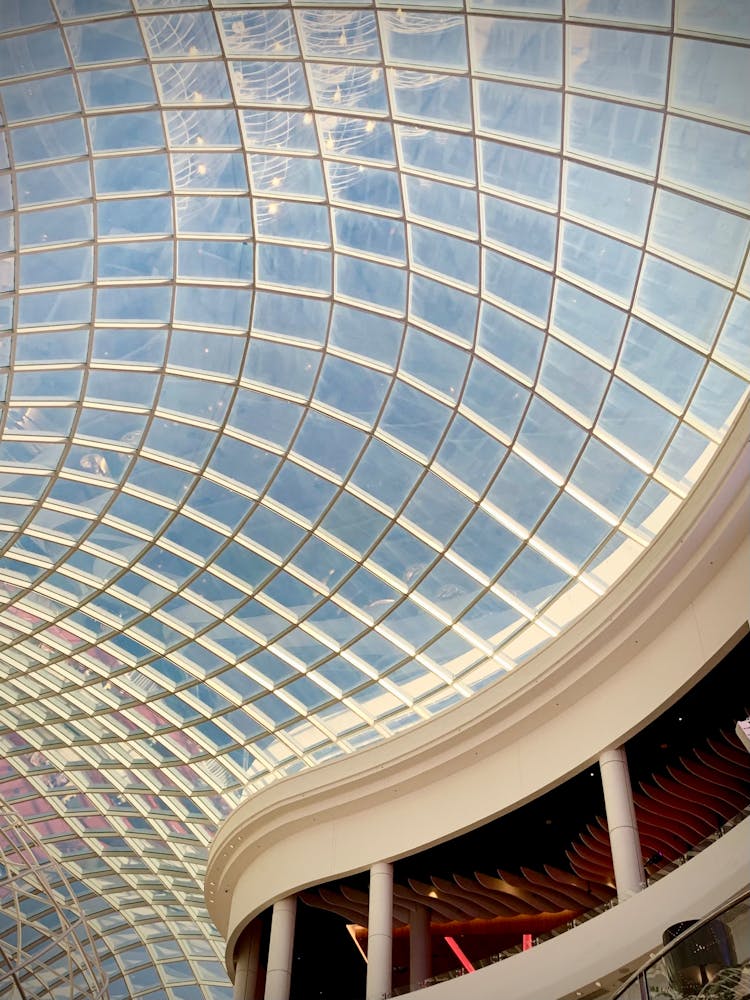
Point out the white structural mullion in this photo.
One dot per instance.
(621, 822)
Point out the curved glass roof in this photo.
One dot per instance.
(46, 947)
(349, 354)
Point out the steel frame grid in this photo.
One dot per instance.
(129, 715)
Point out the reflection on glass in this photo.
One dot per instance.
(350, 353)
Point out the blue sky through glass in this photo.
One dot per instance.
(348, 355)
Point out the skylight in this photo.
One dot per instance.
(349, 355)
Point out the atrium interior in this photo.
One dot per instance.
(375, 396)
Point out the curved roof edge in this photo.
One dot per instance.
(666, 622)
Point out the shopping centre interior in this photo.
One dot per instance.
(373, 483)
(551, 833)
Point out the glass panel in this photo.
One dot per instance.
(616, 203)
(37, 52)
(41, 98)
(731, 19)
(359, 138)
(453, 258)
(510, 342)
(355, 88)
(722, 942)
(532, 579)
(708, 160)
(434, 362)
(61, 183)
(110, 88)
(576, 381)
(495, 397)
(650, 12)
(193, 83)
(445, 204)
(522, 49)
(191, 34)
(256, 32)
(521, 113)
(54, 141)
(524, 229)
(136, 130)
(430, 97)
(515, 170)
(628, 64)
(424, 39)
(328, 402)
(524, 287)
(19, 15)
(414, 418)
(572, 530)
(588, 321)
(600, 261)
(485, 544)
(732, 344)
(551, 436)
(680, 299)
(699, 234)
(676, 371)
(620, 134)
(718, 398)
(105, 41)
(633, 419)
(441, 153)
(704, 77)
(201, 128)
(57, 267)
(269, 83)
(607, 477)
(325, 36)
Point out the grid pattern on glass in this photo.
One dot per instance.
(47, 948)
(349, 355)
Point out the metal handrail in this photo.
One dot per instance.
(640, 974)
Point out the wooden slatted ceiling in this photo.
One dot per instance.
(675, 811)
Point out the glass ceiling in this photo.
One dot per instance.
(349, 354)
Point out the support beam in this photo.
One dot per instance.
(380, 932)
(420, 947)
(623, 829)
(280, 949)
(247, 960)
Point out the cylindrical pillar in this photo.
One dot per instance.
(380, 932)
(420, 946)
(247, 959)
(280, 949)
(623, 829)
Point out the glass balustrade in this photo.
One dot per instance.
(707, 958)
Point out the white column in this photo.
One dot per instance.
(280, 949)
(623, 830)
(380, 931)
(420, 946)
(247, 958)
